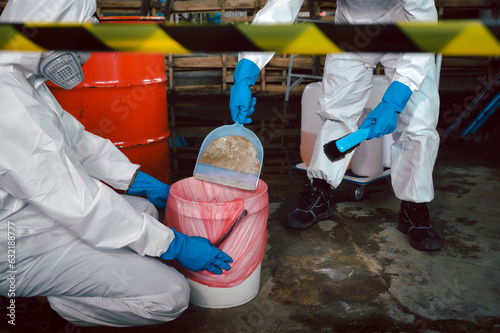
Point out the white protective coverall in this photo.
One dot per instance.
(87, 248)
(347, 81)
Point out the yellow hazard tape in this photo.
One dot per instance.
(450, 38)
(12, 40)
(464, 38)
(299, 38)
(134, 38)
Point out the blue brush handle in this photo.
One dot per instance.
(353, 139)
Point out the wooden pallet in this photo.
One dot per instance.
(226, 7)
(271, 81)
(132, 7)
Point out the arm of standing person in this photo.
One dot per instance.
(241, 103)
(409, 71)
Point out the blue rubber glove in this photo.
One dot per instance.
(152, 188)
(197, 254)
(384, 118)
(241, 102)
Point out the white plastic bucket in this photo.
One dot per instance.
(199, 208)
(388, 141)
(310, 121)
(218, 298)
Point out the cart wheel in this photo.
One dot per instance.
(357, 192)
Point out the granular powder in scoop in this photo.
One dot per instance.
(233, 152)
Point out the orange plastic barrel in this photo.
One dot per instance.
(124, 99)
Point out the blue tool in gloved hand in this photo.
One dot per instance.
(383, 119)
(155, 190)
(380, 121)
(197, 254)
(241, 102)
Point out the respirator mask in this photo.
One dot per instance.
(64, 68)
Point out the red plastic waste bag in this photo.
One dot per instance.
(199, 208)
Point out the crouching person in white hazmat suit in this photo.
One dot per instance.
(91, 251)
(409, 109)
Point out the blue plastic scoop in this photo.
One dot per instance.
(226, 176)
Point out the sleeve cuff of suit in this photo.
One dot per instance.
(124, 178)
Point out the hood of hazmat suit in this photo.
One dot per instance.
(54, 175)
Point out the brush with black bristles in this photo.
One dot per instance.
(336, 150)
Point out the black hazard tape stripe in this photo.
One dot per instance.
(368, 38)
(494, 29)
(210, 38)
(76, 38)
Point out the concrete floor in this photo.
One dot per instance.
(357, 273)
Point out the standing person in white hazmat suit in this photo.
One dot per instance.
(409, 109)
(91, 251)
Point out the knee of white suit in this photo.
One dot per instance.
(125, 311)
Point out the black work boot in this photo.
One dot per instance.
(415, 222)
(314, 205)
